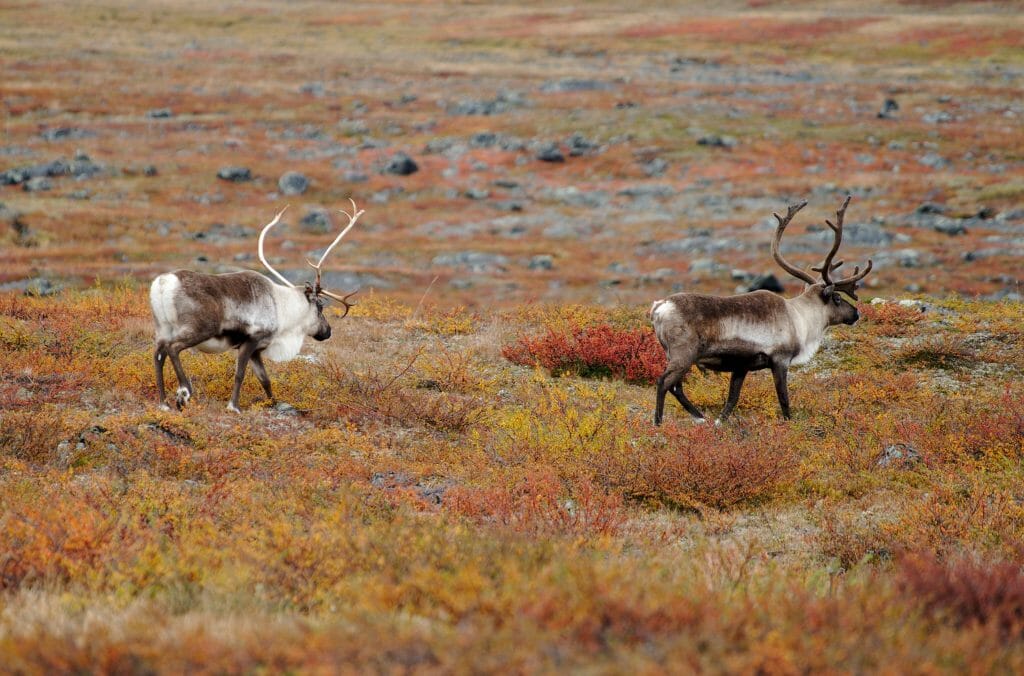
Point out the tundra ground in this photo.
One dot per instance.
(466, 477)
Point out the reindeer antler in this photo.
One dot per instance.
(847, 285)
(259, 248)
(783, 263)
(315, 288)
(352, 218)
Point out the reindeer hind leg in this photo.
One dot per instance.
(184, 392)
(159, 357)
(261, 373)
(245, 352)
(670, 381)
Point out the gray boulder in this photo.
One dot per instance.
(292, 183)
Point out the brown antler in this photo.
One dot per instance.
(783, 263)
(356, 213)
(847, 285)
(827, 266)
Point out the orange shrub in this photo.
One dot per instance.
(889, 319)
(598, 351)
(703, 465)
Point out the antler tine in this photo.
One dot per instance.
(351, 221)
(783, 263)
(849, 284)
(259, 247)
(826, 266)
(341, 299)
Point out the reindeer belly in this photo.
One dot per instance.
(214, 345)
(223, 341)
(735, 362)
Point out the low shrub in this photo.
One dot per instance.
(598, 351)
(705, 466)
(937, 352)
(889, 319)
(541, 505)
(968, 591)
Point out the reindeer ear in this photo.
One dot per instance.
(827, 292)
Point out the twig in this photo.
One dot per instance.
(423, 298)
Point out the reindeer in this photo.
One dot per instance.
(240, 310)
(753, 331)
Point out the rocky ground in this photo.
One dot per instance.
(603, 154)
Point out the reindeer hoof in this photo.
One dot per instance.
(233, 408)
(181, 397)
(164, 406)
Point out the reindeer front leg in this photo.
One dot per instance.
(245, 352)
(735, 384)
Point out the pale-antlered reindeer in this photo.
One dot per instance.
(241, 310)
(756, 330)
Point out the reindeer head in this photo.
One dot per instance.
(839, 310)
(319, 328)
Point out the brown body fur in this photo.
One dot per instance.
(739, 334)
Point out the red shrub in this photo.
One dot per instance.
(541, 505)
(969, 591)
(593, 352)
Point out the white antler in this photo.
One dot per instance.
(263, 259)
(356, 213)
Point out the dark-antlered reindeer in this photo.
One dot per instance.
(753, 331)
(240, 310)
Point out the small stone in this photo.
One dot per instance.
(901, 456)
(950, 227)
(940, 117)
(477, 194)
(355, 176)
(933, 160)
(159, 113)
(768, 282)
(41, 287)
(284, 408)
(716, 141)
(541, 262)
(889, 108)
(292, 183)
(235, 174)
(313, 89)
(580, 145)
(913, 304)
(317, 221)
(485, 139)
(37, 184)
(549, 152)
(401, 164)
(655, 167)
(930, 208)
